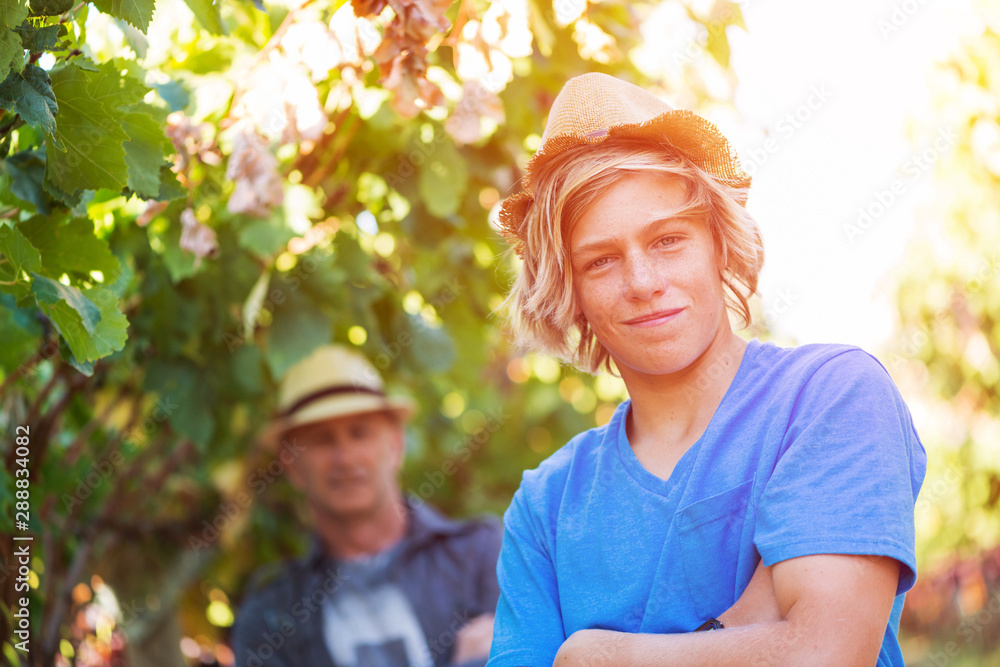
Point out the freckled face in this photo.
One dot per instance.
(648, 281)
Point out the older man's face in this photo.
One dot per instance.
(349, 465)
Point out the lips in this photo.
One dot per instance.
(653, 319)
(348, 480)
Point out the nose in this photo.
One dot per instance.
(642, 279)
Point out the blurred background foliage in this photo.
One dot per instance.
(195, 195)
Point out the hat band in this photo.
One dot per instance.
(323, 393)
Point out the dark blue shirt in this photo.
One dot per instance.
(445, 570)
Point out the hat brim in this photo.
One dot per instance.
(691, 135)
(332, 407)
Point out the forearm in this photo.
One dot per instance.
(773, 643)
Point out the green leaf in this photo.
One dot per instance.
(265, 236)
(27, 173)
(544, 36)
(48, 292)
(208, 15)
(71, 247)
(19, 252)
(443, 180)
(183, 385)
(298, 329)
(254, 301)
(247, 366)
(433, 349)
(72, 313)
(40, 39)
(145, 151)
(29, 94)
(121, 283)
(174, 93)
(170, 187)
(55, 8)
(718, 45)
(12, 13)
(11, 53)
(136, 12)
(90, 130)
(21, 332)
(114, 85)
(112, 330)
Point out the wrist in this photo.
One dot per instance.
(710, 624)
(732, 618)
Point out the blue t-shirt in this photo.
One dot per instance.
(811, 451)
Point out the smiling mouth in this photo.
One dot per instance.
(653, 319)
(348, 481)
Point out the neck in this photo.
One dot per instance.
(678, 407)
(358, 535)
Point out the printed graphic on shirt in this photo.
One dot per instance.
(374, 627)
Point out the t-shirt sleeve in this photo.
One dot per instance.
(528, 629)
(849, 470)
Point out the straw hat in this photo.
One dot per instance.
(593, 107)
(333, 381)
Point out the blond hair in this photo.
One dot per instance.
(541, 306)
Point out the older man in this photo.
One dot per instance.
(389, 581)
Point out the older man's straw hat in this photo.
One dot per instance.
(594, 107)
(333, 381)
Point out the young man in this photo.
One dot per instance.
(761, 492)
(389, 581)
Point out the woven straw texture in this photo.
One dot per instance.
(604, 107)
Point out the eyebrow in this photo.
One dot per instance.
(683, 217)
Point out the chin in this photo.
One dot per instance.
(347, 504)
(661, 359)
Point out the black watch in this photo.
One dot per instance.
(710, 624)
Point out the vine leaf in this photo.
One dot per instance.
(136, 12)
(12, 13)
(443, 180)
(70, 248)
(112, 331)
(11, 53)
(29, 95)
(298, 329)
(26, 170)
(145, 149)
(90, 131)
(52, 295)
(50, 7)
(19, 252)
(208, 15)
(40, 39)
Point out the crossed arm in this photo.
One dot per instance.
(817, 610)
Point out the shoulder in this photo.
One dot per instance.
(469, 533)
(576, 457)
(842, 369)
(536, 503)
(809, 358)
(830, 367)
